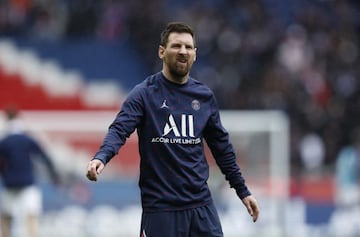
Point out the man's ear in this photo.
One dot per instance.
(161, 51)
(195, 54)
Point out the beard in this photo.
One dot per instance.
(179, 70)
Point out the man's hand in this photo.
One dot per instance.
(94, 168)
(251, 206)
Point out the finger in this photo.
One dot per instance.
(249, 209)
(91, 171)
(100, 168)
(91, 176)
(255, 211)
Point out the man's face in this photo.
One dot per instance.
(179, 54)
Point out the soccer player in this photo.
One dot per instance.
(20, 194)
(172, 113)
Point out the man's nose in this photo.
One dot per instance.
(182, 50)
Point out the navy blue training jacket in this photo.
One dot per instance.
(17, 152)
(172, 122)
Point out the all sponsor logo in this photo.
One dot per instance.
(183, 133)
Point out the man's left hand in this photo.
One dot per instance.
(251, 206)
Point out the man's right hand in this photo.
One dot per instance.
(94, 168)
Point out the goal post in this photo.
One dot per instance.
(261, 143)
(273, 126)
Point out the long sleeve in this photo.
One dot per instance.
(17, 152)
(122, 127)
(43, 156)
(222, 150)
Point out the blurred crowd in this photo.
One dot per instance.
(298, 56)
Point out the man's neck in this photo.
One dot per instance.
(174, 79)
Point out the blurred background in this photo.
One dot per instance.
(68, 65)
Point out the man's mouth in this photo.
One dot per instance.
(182, 60)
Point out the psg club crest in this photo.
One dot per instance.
(195, 104)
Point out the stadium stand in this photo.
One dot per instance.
(47, 84)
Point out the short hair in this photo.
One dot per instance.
(11, 112)
(178, 27)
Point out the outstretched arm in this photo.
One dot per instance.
(43, 156)
(251, 206)
(94, 169)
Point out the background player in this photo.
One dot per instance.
(20, 194)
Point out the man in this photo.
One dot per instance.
(20, 194)
(172, 114)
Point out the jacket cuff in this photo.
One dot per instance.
(101, 157)
(242, 193)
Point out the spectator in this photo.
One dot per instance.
(348, 173)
